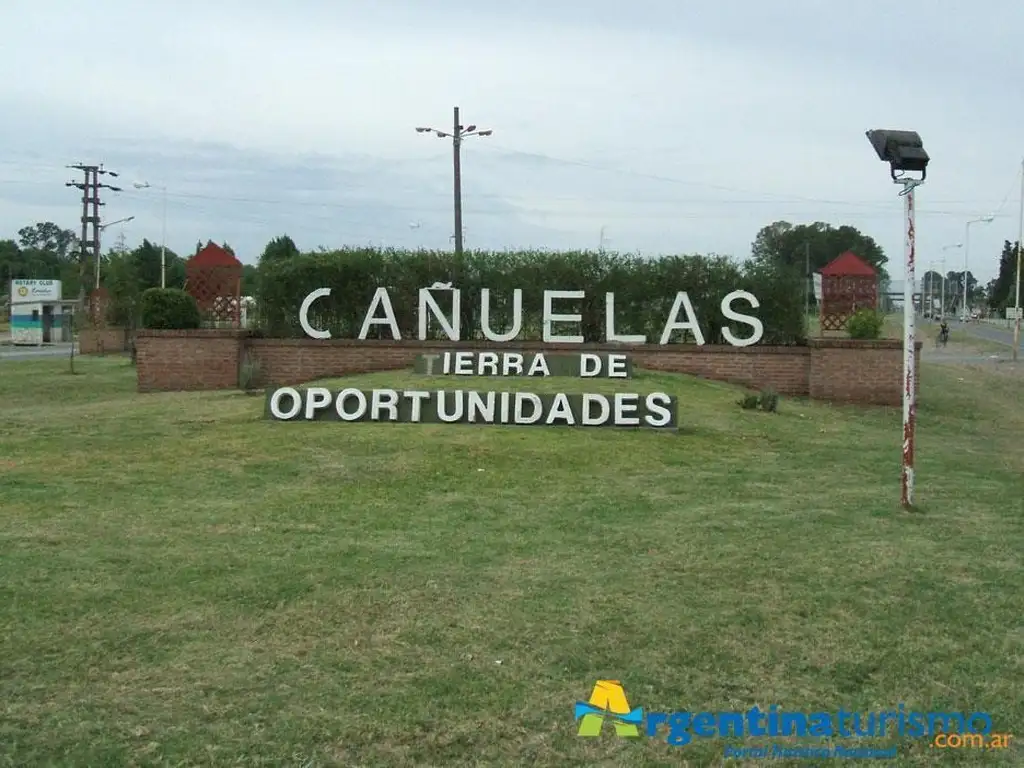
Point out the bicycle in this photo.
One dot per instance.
(943, 338)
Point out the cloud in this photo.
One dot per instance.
(675, 129)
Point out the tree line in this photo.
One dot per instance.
(46, 251)
(49, 252)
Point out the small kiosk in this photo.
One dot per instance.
(38, 315)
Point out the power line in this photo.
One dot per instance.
(767, 197)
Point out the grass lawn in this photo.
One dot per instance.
(182, 583)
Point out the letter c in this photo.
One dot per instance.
(307, 302)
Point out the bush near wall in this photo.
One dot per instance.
(168, 309)
(644, 289)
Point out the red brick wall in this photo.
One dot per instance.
(838, 370)
(188, 360)
(867, 372)
(294, 361)
(99, 341)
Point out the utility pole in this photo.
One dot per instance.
(807, 279)
(1016, 301)
(457, 134)
(90, 186)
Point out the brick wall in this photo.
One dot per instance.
(99, 341)
(188, 360)
(837, 370)
(867, 372)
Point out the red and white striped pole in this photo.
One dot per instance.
(909, 357)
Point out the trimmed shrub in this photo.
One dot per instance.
(168, 309)
(865, 324)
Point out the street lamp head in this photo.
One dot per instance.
(902, 150)
(987, 219)
(470, 129)
(485, 133)
(141, 185)
(422, 130)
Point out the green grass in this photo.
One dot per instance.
(182, 583)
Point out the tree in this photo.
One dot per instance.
(279, 249)
(788, 244)
(932, 287)
(49, 237)
(44, 251)
(122, 284)
(146, 263)
(249, 277)
(1001, 290)
(10, 263)
(955, 290)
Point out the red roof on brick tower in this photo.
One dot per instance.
(848, 264)
(212, 255)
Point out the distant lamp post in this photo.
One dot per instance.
(904, 152)
(102, 228)
(163, 229)
(942, 299)
(1016, 289)
(967, 251)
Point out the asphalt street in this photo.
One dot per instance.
(992, 333)
(13, 354)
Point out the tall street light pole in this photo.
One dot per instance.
(163, 229)
(103, 228)
(904, 152)
(942, 299)
(457, 134)
(1016, 300)
(967, 251)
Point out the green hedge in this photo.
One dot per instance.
(644, 289)
(168, 309)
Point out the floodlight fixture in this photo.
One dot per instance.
(422, 130)
(902, 150)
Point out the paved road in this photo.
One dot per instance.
(991, 333)
(14, 354)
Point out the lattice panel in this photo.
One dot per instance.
(842, 295)
(217, 291)
(834, 321)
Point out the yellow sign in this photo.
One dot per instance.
(22, 291)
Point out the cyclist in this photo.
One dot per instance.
(943, 332)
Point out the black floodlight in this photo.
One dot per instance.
(902, 150)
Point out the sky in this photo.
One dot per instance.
(655, 126)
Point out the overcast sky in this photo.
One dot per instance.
(674, 127)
